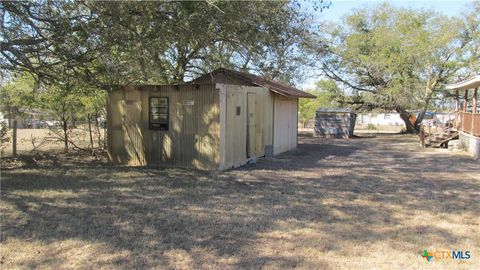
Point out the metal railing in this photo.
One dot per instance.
(468, 122)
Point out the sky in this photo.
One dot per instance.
(339, 8)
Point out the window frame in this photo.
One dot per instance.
(160, 128)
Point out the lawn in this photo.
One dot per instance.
(371, 203)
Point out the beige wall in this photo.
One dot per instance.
(207, 135)
(234, 144)
(285, 124)
(193, 138)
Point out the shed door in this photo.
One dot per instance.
(250, 125)
(132, 120)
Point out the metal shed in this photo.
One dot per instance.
(334, 123)
(221, 120)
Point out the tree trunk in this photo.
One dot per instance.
(14, 138)
(65, 134)
(90, 131)
(410, 128)
(421, 115)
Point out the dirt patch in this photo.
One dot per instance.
(372, 203)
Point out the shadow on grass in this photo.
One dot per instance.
(348, 192)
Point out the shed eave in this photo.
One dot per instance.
(306, 95)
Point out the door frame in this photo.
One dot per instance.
(250, 138)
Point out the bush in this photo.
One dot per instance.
(3, 134)
(371, 127)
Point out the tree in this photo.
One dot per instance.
(326, 93)
(17, 96)
(151, 42)
(62, 100)
(37, 36)
(394, 58)
(186, 39)
(3, 136)
(93, 104)
(66, 45)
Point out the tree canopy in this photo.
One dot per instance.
(397, 58)
(326, 92)
(151, 42)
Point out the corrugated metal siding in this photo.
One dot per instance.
(330, 124)
(193, 136)
(236, 125)
(285, 124)
(236, 139)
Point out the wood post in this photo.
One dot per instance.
(475, 100)
(457, 101)
(474, 108)
(422, 136)
(457, 110)
(465, 105)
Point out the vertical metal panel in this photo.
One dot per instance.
(192, 139)
(236, 139)
(131, 127)
(285, 125)
(251, 125)
(114, 126)
(236, 125)
(265, 118)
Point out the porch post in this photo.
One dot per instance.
(475, 100)
(457, 101)
(457, 110)
(474, 108)
(465, 105)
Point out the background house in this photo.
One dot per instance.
(221, 120)
(387, 118)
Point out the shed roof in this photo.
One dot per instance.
(279, 88)
(471, 82)
(335, 110)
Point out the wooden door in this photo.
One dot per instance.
(250, 125)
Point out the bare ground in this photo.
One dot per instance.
(371, 203)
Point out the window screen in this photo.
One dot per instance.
(158, 113)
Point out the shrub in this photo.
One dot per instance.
(3, 135)
(371, 127)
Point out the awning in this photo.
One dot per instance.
(470, 83)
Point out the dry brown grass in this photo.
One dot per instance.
(359, 204)
(46, 141)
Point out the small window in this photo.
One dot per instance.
(158, 113)
(238, 110)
